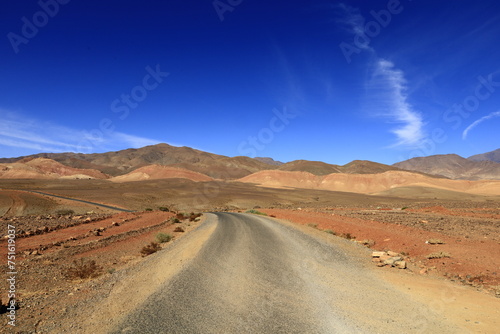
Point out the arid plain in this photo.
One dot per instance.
(447, 231)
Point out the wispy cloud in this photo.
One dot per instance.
(351, 20)
(393, 87)
(391, 82)
(476, 123)
(19, 132)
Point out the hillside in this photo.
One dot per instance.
(215, 166)
(453, 166)
(124, 161)
(156, 172)
(368, 183)
(489, 156)
(41, 168)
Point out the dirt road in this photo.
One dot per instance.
(255, 275)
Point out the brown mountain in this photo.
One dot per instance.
(313, 167)
(41, 168)
(369, 183)
(269, 161)
(489, 156)
(124, 161)
(213, 165)
(453, 166)
(365, 167)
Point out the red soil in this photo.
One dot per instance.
(474, 260)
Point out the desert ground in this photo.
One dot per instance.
(447, 238)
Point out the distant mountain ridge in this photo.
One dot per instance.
(117, 163)
(216, 166)
(453, 166)
(488, 156)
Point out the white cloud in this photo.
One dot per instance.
(21, 133)
(476, 123)
(391, 82)
(352, 21)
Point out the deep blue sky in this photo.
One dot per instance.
(395, 95)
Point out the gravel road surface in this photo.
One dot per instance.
(257, 275)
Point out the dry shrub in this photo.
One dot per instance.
(153, 247)
(178, 229)
(193, 216)
(347, 236)
(163, 237)
(83, 269)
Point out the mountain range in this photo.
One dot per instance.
(150, 162)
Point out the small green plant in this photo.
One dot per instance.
(111, 270)
(330, 232)
(65, 212)
(313, 225)
(404, 208)
(163, 237)
(153, 247)
(256, 212)
(164, 209)
(83, 269)
(148, 209)
(438, 255)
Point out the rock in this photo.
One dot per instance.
(385, 257)
(376, 259)
(400, 264)
(380, 264)
(390, 261)
(423, 271)
(434, 242)
(368, 243)
(391, 253)
(97, 233)
(115, 224)
(378, 254)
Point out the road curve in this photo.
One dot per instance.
(256, 275)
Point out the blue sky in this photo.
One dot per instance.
(319, 80)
